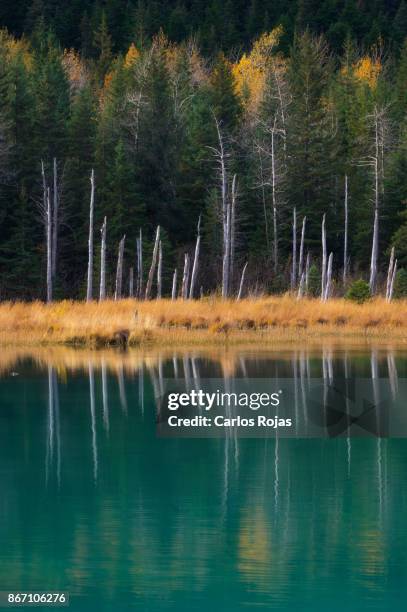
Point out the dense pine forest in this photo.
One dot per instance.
(264, 137)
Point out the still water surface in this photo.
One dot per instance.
(94, 504)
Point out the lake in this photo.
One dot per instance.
(94, 504)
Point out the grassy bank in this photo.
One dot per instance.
(210, 321)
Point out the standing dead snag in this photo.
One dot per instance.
(196, 257)
(159, 270)
(49, 247)
(294, 254)
(102, 287)
(55, 220)
(393, 278)
(345, 239)
(119, 271)
(185, 278)
(390, 276)
(140, 266)
(239, 295)
(131, 282)
(375, 161)
(153, 264)
(89, 289)
(324, 263)
(301, 261)
(328, 278)
(226, 209)
(174, 286)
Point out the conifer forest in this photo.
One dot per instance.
(178, 148)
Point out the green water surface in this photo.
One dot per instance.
(94, 504)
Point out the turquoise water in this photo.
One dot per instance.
(94, 504)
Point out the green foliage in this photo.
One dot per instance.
(358, 291)
(400, 284)
(314, 281)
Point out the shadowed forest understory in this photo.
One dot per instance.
(159, 162)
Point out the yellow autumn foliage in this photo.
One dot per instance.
(131, 56)
(367, 71)
(251, 70)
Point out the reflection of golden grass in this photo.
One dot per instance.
(229, 359)
(163, 322)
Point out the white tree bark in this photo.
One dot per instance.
(390, 274)
(301, 259)
(89, 290)
(196, 258)
(102, 286)
(274, 200)
(294, 253)
(131, 282)
(174, 286)
(49, 247)
(324, 260)
(239, 295)
(140, 265)
(307, 266)
(225, 212)
(300, 293)
(153, 264)
(393, 278)
(119, 270)
(185, 278)
(345, 238)
(55, 220)
(232, 230)
(328, 282)
(159, 270)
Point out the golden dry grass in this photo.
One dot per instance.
(214, 321)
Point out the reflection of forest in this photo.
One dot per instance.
(92, 499)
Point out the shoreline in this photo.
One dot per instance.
(263, 321)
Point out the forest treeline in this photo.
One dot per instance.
(288, 160)
(216, 25)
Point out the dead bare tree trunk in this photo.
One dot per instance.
(159, 270)
(324, 262)
(301, 261)
(307, 266)
(153, 264)
(274, 200)
(300, 293)
(185, 278)
(119, 271)
(294, 254)
(328, 282)
(46, 212)
(393, 278)
(131, 282)
(232, 230)
(345, 239)
(55, 221)
(174, 286)
(102, 287)
(239, 295)
(140, 265)
(89, 290)
(196, 257)
(390, 275)
(49, 247)
(221, 157)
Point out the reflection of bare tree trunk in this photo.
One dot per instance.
(105, 399)
(122, 391)
(93, 421)
(393, 375)
(141, 387)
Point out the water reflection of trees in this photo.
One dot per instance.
(161, 516)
